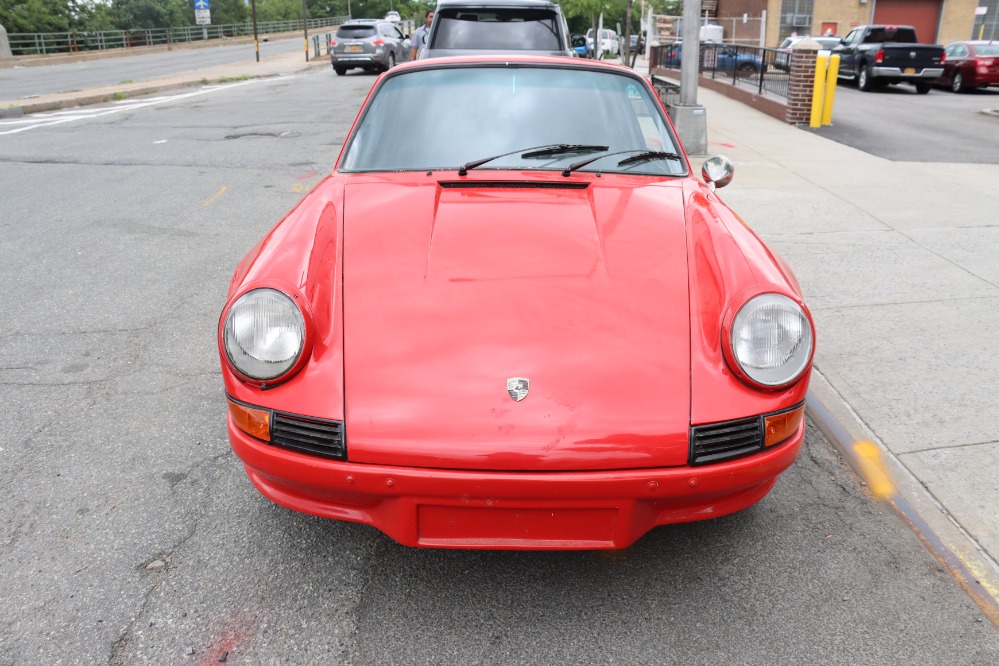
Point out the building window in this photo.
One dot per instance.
(987, 24)
(796, 18)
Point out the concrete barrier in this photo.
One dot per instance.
(4, 44)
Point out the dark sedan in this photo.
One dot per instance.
(970, 65)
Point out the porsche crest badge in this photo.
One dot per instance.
(518, 387)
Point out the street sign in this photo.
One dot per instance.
(202, 12)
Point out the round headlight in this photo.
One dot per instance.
(772, 339)
(264, 334)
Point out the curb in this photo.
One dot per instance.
(886, 479)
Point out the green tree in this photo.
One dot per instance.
(35, 15)
(140, 14)
(277, 10)
(95, 15)
(229, 12)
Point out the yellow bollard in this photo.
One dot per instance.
(830, 89)
(818, 90)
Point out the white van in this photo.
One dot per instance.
(609, 42)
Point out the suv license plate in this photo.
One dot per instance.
(910, 70)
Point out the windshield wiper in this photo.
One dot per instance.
(648, 154)
(537, 151)
(551, 151)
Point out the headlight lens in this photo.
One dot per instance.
(264, 334)
(772, 339)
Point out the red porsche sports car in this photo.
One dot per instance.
(511, 318)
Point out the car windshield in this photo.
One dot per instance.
(497, 30)
(988, 49)
(446, 117)
(355, 31)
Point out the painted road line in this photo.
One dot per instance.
(39, 120)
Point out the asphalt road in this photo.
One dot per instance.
(25, 82)
(130, 534)
(898, 124)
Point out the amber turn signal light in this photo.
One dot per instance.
(781, 426)
(254, 422)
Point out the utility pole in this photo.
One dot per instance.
(253, 15)
(688, 116)
(305, 28)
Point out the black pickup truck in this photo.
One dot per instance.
(876, 55)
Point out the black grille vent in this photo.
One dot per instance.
(512, 184)
(323, 438)
(723, 441)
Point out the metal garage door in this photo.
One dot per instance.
(923, 15)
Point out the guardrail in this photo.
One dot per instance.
(43, 43)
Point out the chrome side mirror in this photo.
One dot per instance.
(717, 171)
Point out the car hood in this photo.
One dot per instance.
(451, 289)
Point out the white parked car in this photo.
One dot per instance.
(609, 42)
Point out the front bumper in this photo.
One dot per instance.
(510, 510)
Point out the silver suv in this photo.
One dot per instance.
(468, 27)
(371, 44)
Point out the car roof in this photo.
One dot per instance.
(495, 3)
(819, 38)
(363, 21)
(519, 58)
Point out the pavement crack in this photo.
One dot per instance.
(929, 301)
(935, 449)
(157, 163)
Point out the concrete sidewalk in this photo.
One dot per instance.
(898, 263)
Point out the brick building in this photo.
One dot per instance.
(936, 21)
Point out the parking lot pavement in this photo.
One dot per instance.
(897, 261)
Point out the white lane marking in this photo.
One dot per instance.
(37, 120)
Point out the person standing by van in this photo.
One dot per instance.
(420, 36)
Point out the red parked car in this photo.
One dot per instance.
(512, 319)
(970, 65)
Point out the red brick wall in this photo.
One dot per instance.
(800, 87)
